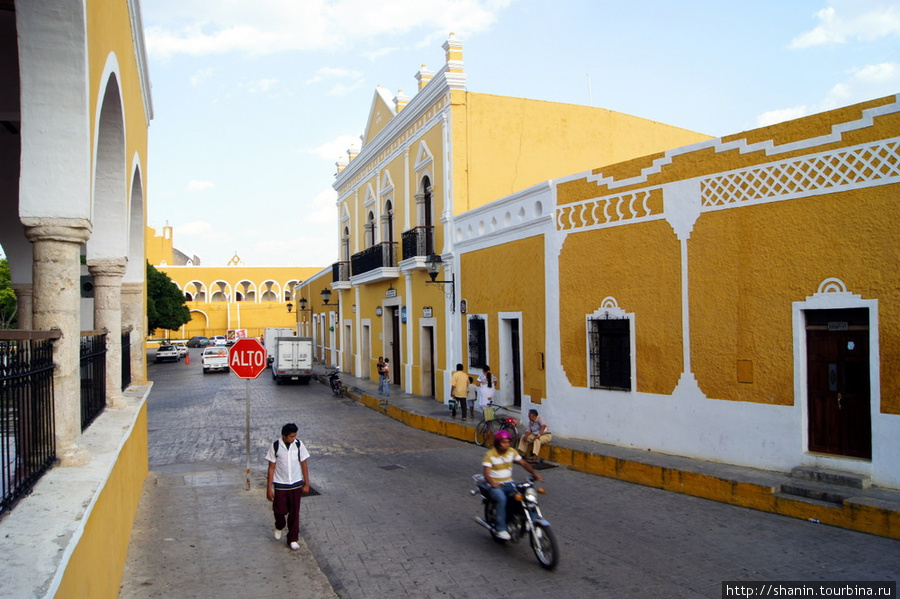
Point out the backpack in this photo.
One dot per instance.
(296, 442)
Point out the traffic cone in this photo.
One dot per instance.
(187, 358)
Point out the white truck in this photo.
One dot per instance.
(271, 334)
(291, 359)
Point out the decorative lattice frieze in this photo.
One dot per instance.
(845, 168)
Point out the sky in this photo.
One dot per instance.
(254, 102)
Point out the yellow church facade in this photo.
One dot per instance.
(227, 298)
(423, 162)
(733, 300)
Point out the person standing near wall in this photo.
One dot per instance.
(487, 386)
(459, 383)
(384, 387)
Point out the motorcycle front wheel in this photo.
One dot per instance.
(543, 542)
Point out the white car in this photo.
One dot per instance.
(166, 352)
(214, 358)
(218, 340)
(182, 348)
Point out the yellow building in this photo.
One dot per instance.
(423, 161)
(76, 107)
(734, 300)
(231, 297)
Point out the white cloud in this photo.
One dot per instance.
(864, 83)
(271, 26)
(336, 148)
(199, 185)
(197, 227)
(845, 20)
(201, 76)
(262, 85)
(323, 210)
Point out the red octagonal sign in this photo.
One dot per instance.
(247, 358)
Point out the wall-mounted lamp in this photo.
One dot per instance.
(433, 266)
(301, 305)
(326, 295)
(290, 307)
(379, 311)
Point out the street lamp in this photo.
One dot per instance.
(290, 307)
(326, 295)
(433, 267)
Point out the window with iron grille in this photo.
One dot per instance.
(610, 353)
(477, 342)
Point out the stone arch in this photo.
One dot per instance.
(109, 210)
(270, 291)
(245, 291)
(195, 291)
(220, 291)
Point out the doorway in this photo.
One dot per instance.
(511, 359)
(429, 383)
(395, 344)
(838, 382)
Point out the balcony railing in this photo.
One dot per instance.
(27, 431)
(418, 241)
(340, 271)
(381, 255)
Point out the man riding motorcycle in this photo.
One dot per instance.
(497, 465)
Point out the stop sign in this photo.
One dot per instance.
(247, 358)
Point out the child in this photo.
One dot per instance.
(472, 395)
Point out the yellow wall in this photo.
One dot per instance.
(96, 566)
(639, 266)
(509, 278)
(514, 143)
(747, 266)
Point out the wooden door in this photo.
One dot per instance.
(838, 389)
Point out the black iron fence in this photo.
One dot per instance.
(380, 255)
(126, 359)
(27, 426)
(418, 241)
(93, 376)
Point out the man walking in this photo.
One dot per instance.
(287, 481)
(459, 386)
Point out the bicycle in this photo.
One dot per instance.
(484, 430)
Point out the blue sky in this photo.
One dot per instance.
(254, 102)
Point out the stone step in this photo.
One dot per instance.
(820, 492)
(832, 477)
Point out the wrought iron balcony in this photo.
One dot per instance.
(418, 241)
(379, 256)
(340, 271)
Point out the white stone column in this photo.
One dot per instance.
(24, 306)
(57, 305)
(108, 275)
(134, 316)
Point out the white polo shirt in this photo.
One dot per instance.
(288, 474)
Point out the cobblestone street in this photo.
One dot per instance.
(394, 517)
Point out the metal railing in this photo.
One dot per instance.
(380, 255)
(340, 271)
(126, 359)
(418, 241)
(27, 425)
(93, 376)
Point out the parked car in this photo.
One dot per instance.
(219, 340)
(214, 358)
(166, 352)
(182, 348)
(198, 341)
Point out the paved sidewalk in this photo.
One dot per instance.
(198, 533)
(873, 510)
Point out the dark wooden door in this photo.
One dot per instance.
(516, 362)
(395, 345)
(838, 390)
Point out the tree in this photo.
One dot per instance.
(166, 308)
(9, 305)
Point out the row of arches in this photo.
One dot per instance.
(242, 291)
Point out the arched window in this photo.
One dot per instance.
(387, 222)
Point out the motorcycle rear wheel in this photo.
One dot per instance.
(543, 543)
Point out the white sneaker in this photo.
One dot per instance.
(504, 535)
(277, 534)
(295, 545)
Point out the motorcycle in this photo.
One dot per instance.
(523, 516)
(337, 387)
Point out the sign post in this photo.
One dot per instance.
(247, 359)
